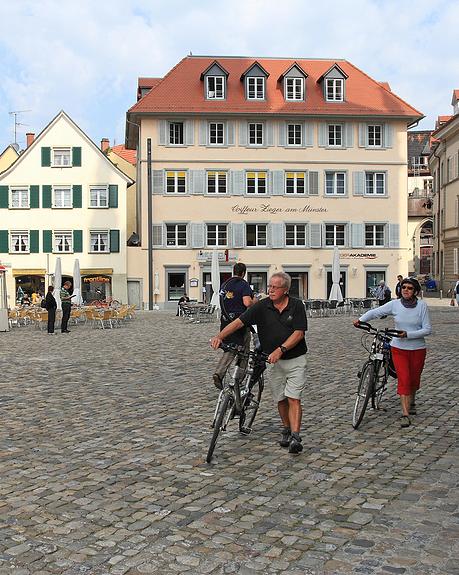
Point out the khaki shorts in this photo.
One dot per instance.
(287, 378)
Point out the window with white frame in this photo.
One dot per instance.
(215, 87)
(256, 182)
(63, 242)
(217, 182)
(374, 135)
(217, 235)
(99, 242)
(335, 234)
(62, 157)
(255, 88)
(98, 196)
(335, 183)
(20, 197)
(62, 197)
(334, 89)
(374, 235)
(294, 134)
(175, 182)
(216, 133)
(295, 182)
(176, 133)
(19, 242)
(294, 88)
(176, 235)
(375, 183)
(295, 234)
(335, 135)
(255, 134)
(256, 235)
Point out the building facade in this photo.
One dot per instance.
(63, 197)
(272, 162)
(420, 202)
(444, 166)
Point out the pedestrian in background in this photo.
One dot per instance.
(51, 306)
(398, 287)
(411, 318)
(66, 300)
(382, 293)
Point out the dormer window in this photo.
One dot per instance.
(214, 78)
(215, 87)
(256, 88)
(294, 89)
(334, 89)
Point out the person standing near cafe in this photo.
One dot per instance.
(50, 305)
(66, 300)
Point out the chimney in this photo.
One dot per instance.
(30, 138)
(104, 144)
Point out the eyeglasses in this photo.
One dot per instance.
(409, 288)
(276, 287)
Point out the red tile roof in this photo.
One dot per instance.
(128, 155)
(182, 91)
(455, 96)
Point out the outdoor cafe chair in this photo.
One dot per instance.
(316, 309)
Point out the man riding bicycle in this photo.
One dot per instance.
(281, 324)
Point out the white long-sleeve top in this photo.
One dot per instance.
(415, 321)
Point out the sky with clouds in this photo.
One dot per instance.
(85, 56)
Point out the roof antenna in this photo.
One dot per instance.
(16, 123)
(191, 53)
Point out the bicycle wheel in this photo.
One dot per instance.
(380, 386)
(226, 403)
(364, 392)
(250, 406)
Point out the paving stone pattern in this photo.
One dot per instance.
(102, 472)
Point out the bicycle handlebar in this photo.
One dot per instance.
(241, 349)
(387, 332)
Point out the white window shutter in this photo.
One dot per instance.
(162, 132)
(277, 234)
(388, 135)
(238, 234)
(394, 235)
(363, 130)
(357, 235)
(323, 134)
(315, 235)
(238, 182)
(269, 137)
(157, 236)
(282, 134)
(197, 235)
(203, 133)
(313, 183)
(308, 134)
(230, 133)
(243, 140)
(158, 181)
(348, 135)
(189, 132)
(358, 183)
(197, 181)
(278, 182)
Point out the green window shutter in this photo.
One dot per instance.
(76, 157)
(4, 197)
(46, 193)
(47, 241)
(45, 157)
(113, 196)
(114, 241)
(77, 196)
(34, 241)
(4, 241)
(77, 241)
(34, 196)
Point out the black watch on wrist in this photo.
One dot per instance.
(283, 349)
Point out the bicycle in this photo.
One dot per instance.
(241, 393)
(375, 371)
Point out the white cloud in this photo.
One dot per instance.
(85, 57)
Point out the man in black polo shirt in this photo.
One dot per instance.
(281, 324)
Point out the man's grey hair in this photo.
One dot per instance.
(286, 279)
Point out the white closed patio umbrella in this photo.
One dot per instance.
(57, 283)
(78, 298)
(335, 292)
(215, 280)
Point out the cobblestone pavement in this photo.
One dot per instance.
(102, 472)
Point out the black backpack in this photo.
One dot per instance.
(43, 303)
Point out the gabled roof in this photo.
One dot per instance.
(256, 64)
(63, 116)
(455, 97)
(334, 67)
(128, 155)
(214, 63)
(294, 65)
(418, 143)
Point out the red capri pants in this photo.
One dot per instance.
(409, 364)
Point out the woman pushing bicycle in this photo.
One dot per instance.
(411, 318)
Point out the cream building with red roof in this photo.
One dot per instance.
(272, 161)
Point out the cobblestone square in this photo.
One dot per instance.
(103, 443)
